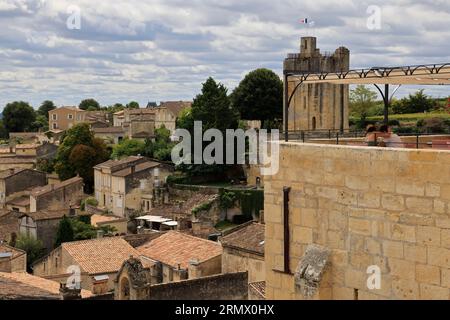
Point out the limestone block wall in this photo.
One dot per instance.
(370, 206)
(238, 261)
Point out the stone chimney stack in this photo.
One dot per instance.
(69, 294)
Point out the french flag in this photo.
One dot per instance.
(304, 21)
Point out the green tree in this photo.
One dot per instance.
(133, 105)
(90, 104)
(78, 153)
(212, 106)
(45, 107)
(185, 119)
(33, 247)
(128, 147)
(3, 131)
(41, 123)
(18, 116)
(259, 96)
(65, 232)
(414, 103)
(161, 148)
(82, 230)
(362, 99)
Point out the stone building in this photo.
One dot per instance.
(133, 283)
(180, 256)
(18, 182)
(15, 162)
(128, 184)
(317, 106)
(9, 225)
(63, 195)
(336, 215)
(64, 118)
(111, 135)
(12, 259)
(24, 286)
(118, 223)
(166, 113)
(99, 261)
(243, 250)
(43, 225)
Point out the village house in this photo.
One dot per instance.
(125, 185)
(15, 183)
(24, 286)
(9, 225)
(180, 256)
(166, 113)
(64, 118)
(43, 224)
(111, 135)
(12, 259)
(137, 123)
(99, 261)
(243, 250)
(63, 195)
(45, 150)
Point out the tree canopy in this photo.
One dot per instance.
(65, 232)
(45, 107)
(127, 147)
(259, 96)
(89, 104)
(78, 153)
(18, 116)
(33, 247)
(362, 99)
(414, 103)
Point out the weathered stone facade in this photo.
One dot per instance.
(318, 106)
(370, 207)
(64, 195)
(14, 182)
(133, 283)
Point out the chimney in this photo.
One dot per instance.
(68, 293)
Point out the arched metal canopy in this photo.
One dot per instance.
(432, 74)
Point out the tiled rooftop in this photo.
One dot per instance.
(174, 248)
(248, 237)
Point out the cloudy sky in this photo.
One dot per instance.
(153, 50)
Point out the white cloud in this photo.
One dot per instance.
(164, 49)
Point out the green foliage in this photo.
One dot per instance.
(434, 125)
(45, 165)
(108, 230)
(65, 232)
(185, 119)
(82, 230)
(45, 107)
(202, 207)
(91, 201)
(250, 201)
(33, 247)
(41, 123)
(259, 96)
(212, 107)
(161, 148)
(89, 104)
(78, 153)
(177, 179)
(128, 147)
(133, 105)
(418, 102)
(18, 116)
(3, 132)
(362, 99)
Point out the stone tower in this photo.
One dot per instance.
(317, 106)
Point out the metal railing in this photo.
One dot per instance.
(337, 137)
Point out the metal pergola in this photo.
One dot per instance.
(433, 74)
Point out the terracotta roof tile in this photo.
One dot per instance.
(248, 237)
(15, 252)
(175, 107)
(22, 285)
(97, 256)
(174, 248)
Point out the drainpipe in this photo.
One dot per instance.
(286, 192)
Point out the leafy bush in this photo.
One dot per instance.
(33, 247)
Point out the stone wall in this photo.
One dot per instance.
(19, 182)
(369, 206)
(58, 198)
(238, 260)
(231, 286)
